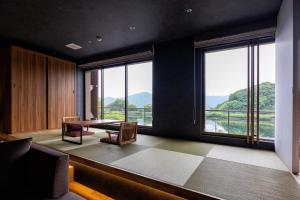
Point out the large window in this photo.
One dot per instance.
(114, 93)
(140, 93)
(121, 93)
(233, 78)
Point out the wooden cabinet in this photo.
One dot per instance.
(36, 90)
(61, 91)
(28, 83)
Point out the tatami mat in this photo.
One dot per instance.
(259, 158)
(106, 153)
(148, 140)
(168, 166)
(236, 181)
(189, 147)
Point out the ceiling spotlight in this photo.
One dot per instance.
(189, 10)
(99, 38)
(90, 42)
(131, 28)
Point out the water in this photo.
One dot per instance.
(212, 126)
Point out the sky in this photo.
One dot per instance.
(226, 70)
(139, 80)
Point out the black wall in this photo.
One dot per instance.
(80, 92)
(173, 89)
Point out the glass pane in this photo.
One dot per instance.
(267, 90)
(114, 93)
(92, 94)
(226, 91)
(140, 93)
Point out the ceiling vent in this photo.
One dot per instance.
(73, 46)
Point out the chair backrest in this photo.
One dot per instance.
(71, 119)
(128, 131)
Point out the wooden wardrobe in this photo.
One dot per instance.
(38, 90)
(61, 91)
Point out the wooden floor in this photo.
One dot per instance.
(222, 171)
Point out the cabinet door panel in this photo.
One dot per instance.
(28, 72)
(61, 91)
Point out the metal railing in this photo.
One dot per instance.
(222, 121)
(142, 115)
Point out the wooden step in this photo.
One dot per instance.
(87, 192)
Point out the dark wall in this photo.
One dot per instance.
(173, 89)
(80, 92)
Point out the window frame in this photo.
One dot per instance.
(125, 65)
(200, 53)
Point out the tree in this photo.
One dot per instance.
(117, 105)
(238, 99)
(148, 106)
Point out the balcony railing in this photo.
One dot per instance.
(141, 115)
(235, 122)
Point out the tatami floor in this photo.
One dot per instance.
(223, 171)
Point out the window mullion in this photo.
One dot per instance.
(126, 92)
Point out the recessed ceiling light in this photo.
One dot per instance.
(99, 38)
(189, 10)
(90, 42)
(131, 28)
(73, 46)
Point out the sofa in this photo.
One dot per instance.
(31, 171)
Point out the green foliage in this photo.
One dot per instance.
(116, 110)
(118, 104)
(148, 106)
(238, 100)
(114, 115)
(237, 107)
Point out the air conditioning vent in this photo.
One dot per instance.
(73, 46)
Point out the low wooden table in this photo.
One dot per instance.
(87, 124)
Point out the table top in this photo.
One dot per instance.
(95, 122)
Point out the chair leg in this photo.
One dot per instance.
(109, 136)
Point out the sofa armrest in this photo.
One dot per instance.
(46, 172)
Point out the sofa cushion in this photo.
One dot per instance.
(73, 127)
(47, 172)
(77, 133)
(12, 159)
(112, 140)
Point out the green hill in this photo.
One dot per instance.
(238, 100)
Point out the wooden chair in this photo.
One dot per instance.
(126, 135)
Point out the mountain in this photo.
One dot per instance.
(238, 99)
(213, 101)
(108, 100)
(138, 99)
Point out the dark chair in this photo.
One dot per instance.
(73, 130)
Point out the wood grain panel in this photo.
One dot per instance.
(61, 91)
(28, 72)
(5, 90)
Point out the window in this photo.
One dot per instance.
(120, 93)
(226, 93)
(114, 93)
(233, 78)
(140, 93)
(267, 90)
